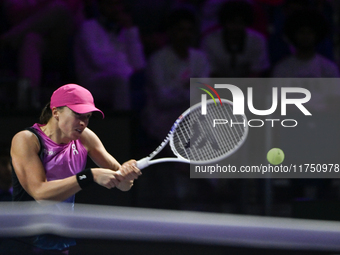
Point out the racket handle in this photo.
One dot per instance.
(143, 163)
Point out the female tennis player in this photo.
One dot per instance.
(49, 158)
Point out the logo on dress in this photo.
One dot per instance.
(74, 149)
(49, 153)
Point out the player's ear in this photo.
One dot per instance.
(55, 113)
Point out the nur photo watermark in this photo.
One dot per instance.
(298, 115)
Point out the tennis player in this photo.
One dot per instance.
(49, 159)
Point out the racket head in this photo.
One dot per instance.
(194, 137)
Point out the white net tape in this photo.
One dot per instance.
(109, 222)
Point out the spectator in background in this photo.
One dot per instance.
(168, 95)
(278, 45)
(304, 30)
(169, 72)
(108, 51)
(39, 29)
(235, 50)
(209, 18)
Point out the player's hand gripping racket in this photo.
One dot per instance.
(201, 139)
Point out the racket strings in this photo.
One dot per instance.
(236, 121)
(197, 139)
(228, 135)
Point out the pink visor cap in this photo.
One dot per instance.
(75, 97)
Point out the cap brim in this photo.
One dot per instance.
(84, 108)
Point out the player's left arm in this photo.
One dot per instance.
(102, 158)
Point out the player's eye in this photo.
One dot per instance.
(82, 116)
(76, 114)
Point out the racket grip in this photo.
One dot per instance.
(143, 163)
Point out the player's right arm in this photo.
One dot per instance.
(31, 173)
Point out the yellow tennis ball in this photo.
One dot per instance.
(275, 156)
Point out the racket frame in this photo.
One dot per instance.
(145, 162)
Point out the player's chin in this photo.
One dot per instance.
(75, 135)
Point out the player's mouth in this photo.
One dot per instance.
(79, 130)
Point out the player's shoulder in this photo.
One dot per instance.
(25, 138)
(87, 134)
(25, 135)
(88, 138)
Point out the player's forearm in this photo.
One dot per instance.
(58, 190)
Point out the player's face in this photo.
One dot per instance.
(72, 124)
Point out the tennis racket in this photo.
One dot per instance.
(195, 139)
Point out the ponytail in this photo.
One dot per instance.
(46, 114)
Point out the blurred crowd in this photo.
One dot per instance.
(120, 49)
(139, 56)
